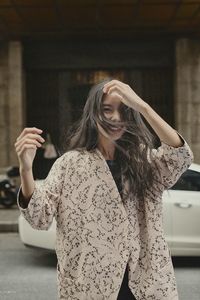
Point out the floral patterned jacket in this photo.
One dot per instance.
(98, 233)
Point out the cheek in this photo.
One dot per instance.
(107, 115)
(102, 132)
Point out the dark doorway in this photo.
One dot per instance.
(59, 76)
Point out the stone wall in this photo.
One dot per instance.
(186, 104)
(11, 106)
(187, 92)
(4, 116)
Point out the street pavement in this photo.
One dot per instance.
(26, 273)
(187, 272)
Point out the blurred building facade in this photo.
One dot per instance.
(51, 52)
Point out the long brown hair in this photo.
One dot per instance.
(132, 149)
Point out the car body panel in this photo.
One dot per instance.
(185, 222)
(38, 238)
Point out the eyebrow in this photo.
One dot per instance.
(109, 105)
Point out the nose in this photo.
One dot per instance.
(116, 116)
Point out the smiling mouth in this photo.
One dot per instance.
(115, 129)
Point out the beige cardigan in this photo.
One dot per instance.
(98, 234)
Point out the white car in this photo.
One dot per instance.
(181, 209)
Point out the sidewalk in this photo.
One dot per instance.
(9, 219)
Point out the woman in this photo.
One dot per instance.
(105, 192)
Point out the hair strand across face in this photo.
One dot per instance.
(131, 149)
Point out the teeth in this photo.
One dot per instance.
(115, 129)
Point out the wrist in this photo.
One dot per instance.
(24, 170)
(144, 108)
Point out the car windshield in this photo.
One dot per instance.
(189, 181)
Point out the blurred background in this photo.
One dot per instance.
(51, 53)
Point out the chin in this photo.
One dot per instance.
(116, 135)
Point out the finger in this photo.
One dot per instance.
(108, 89)
(120, 93)
(26, 146)
(115, 89)
(32, 136)
(114, 81)
(28, 142)
(29, 130)
(38, 138)
(111, 84)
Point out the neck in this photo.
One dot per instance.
(107, 149)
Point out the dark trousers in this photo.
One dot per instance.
(125, 293)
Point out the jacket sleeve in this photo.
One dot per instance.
(171, 162)
(44, 201)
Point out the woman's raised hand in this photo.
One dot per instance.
(26, 146)
(126, 93)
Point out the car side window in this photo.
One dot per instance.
(189, 181)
